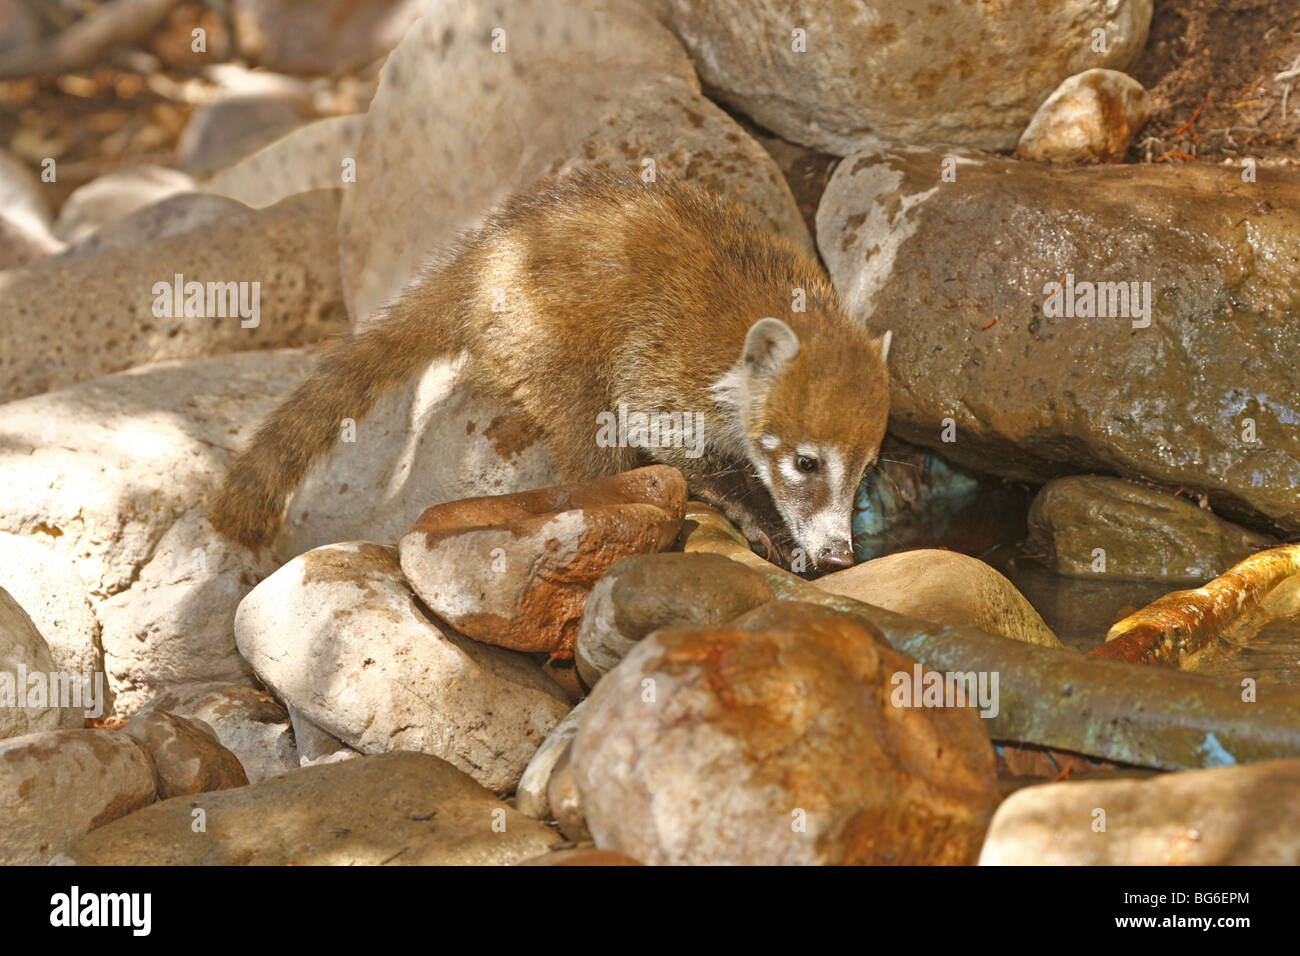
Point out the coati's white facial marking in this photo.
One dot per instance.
(815, 496)
(812, 484)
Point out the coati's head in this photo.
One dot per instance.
(813, 414)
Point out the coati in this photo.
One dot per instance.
(598, 291)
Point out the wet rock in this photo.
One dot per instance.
(493, 122)
(996, 380)
(515, 570)
(337, 635)
(115, 195)
(1143, 533)
(26, 670)
(226, 130)
(773, 740)
(58, 785)
(839, 76)
(175, 623)
(100, 471)
(435, 439)
(581, 857)
(1224, 816)
(186, 757)
(1091, 118)
(643, 593)
(172, 216)
(320, 36)
(531, 795)
(71, 319)
(49, 589)
(395, 809)
(944, 587)
(248, 722)
(313, 156)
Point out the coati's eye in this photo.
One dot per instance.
(806, 463)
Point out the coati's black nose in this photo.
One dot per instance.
(834, 559)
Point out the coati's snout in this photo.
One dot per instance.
(809, 437)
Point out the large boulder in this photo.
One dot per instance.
(267, 279)
(337, 634)
(403, 809)
(990, 274)
(776, 740)
(840, 76)
(100, 471)
(433, 440)
(468, 111)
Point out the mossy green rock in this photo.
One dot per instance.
(1143, 533)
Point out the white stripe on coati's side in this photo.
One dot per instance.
(600, 291)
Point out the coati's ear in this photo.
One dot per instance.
(884, 344)
(769, 345)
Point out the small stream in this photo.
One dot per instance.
(1265, 644)
(916, 499)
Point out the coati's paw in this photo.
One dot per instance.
(748, 505)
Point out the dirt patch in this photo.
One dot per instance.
(1212, 68)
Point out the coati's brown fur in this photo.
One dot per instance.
(609, 291)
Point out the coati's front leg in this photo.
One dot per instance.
(745, 501)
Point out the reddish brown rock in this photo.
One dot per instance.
(186, 758)
(515, 570)
(774, 740)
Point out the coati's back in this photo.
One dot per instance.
(603, 264)
(579, 295)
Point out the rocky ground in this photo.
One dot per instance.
(1078, 587)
